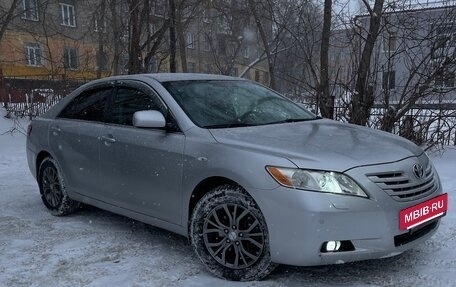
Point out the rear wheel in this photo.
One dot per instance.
(230, 235)
(52, 189)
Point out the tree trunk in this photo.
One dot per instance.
(264, 40)
(182, 44)
(116, 37)
(325, 102)
(9, 16)
(134, 59)
(363, 98)
(172, 36)
(100, 51)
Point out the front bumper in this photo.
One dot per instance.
(299, 222)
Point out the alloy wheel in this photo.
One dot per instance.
(233, 236)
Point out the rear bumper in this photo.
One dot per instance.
(31, 160)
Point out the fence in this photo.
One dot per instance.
(31, 98)
(428, 124)
(36, 103)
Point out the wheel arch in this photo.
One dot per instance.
(202, 188)
(39, 159)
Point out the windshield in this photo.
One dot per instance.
(228, 103)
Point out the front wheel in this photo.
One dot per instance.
(52, 189)
(230, 236)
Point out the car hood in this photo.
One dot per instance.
(321, 144)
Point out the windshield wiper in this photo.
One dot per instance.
(293, 121)
(229, 125)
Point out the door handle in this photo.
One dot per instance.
(109, 139)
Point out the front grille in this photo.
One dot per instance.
(415, 234)
(403, 187)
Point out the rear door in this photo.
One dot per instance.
(141, 168)
(74, 139)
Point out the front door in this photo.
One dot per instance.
(141, 168)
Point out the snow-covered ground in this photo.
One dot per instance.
(97, 248)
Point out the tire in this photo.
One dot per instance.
(229, 234)
(52, 189)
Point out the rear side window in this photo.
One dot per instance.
(88, 106)
(128, 101)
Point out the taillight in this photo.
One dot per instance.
(29, 129)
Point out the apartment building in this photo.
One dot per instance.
(83, 40)
(414, 59)
(53, 40)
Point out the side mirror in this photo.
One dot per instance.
(149, 119)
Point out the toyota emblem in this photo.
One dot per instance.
(418, 171)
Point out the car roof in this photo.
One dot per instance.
(167, 77)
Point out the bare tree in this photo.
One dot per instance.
(172, 36)
(7, 13)
(325, 101)
(259, 21)
(363, 99)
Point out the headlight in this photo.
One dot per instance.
(323, 181)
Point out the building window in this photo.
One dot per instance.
(246, 52)
(67, 16)
(389, 42)
(30, 10)
(100, 25)
(152, 67)
(444, 79)
(389, 80)
(33, 55)
(191, 67)
(159, 8)
(257, 76)
(206, 16)
(206, 43)
(266, 77)
(207, 68)
(445, 35)
(190, 40)
(152, 28)
(102, 61)
(70, 58)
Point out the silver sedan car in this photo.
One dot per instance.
(251, 178)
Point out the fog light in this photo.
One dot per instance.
(337, 246)
(332, 246)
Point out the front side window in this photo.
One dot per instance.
(89, 106)
(70, 58)
(67, 16)
(128, 101)
(232, 103)
(30, 10)
(33, 54)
